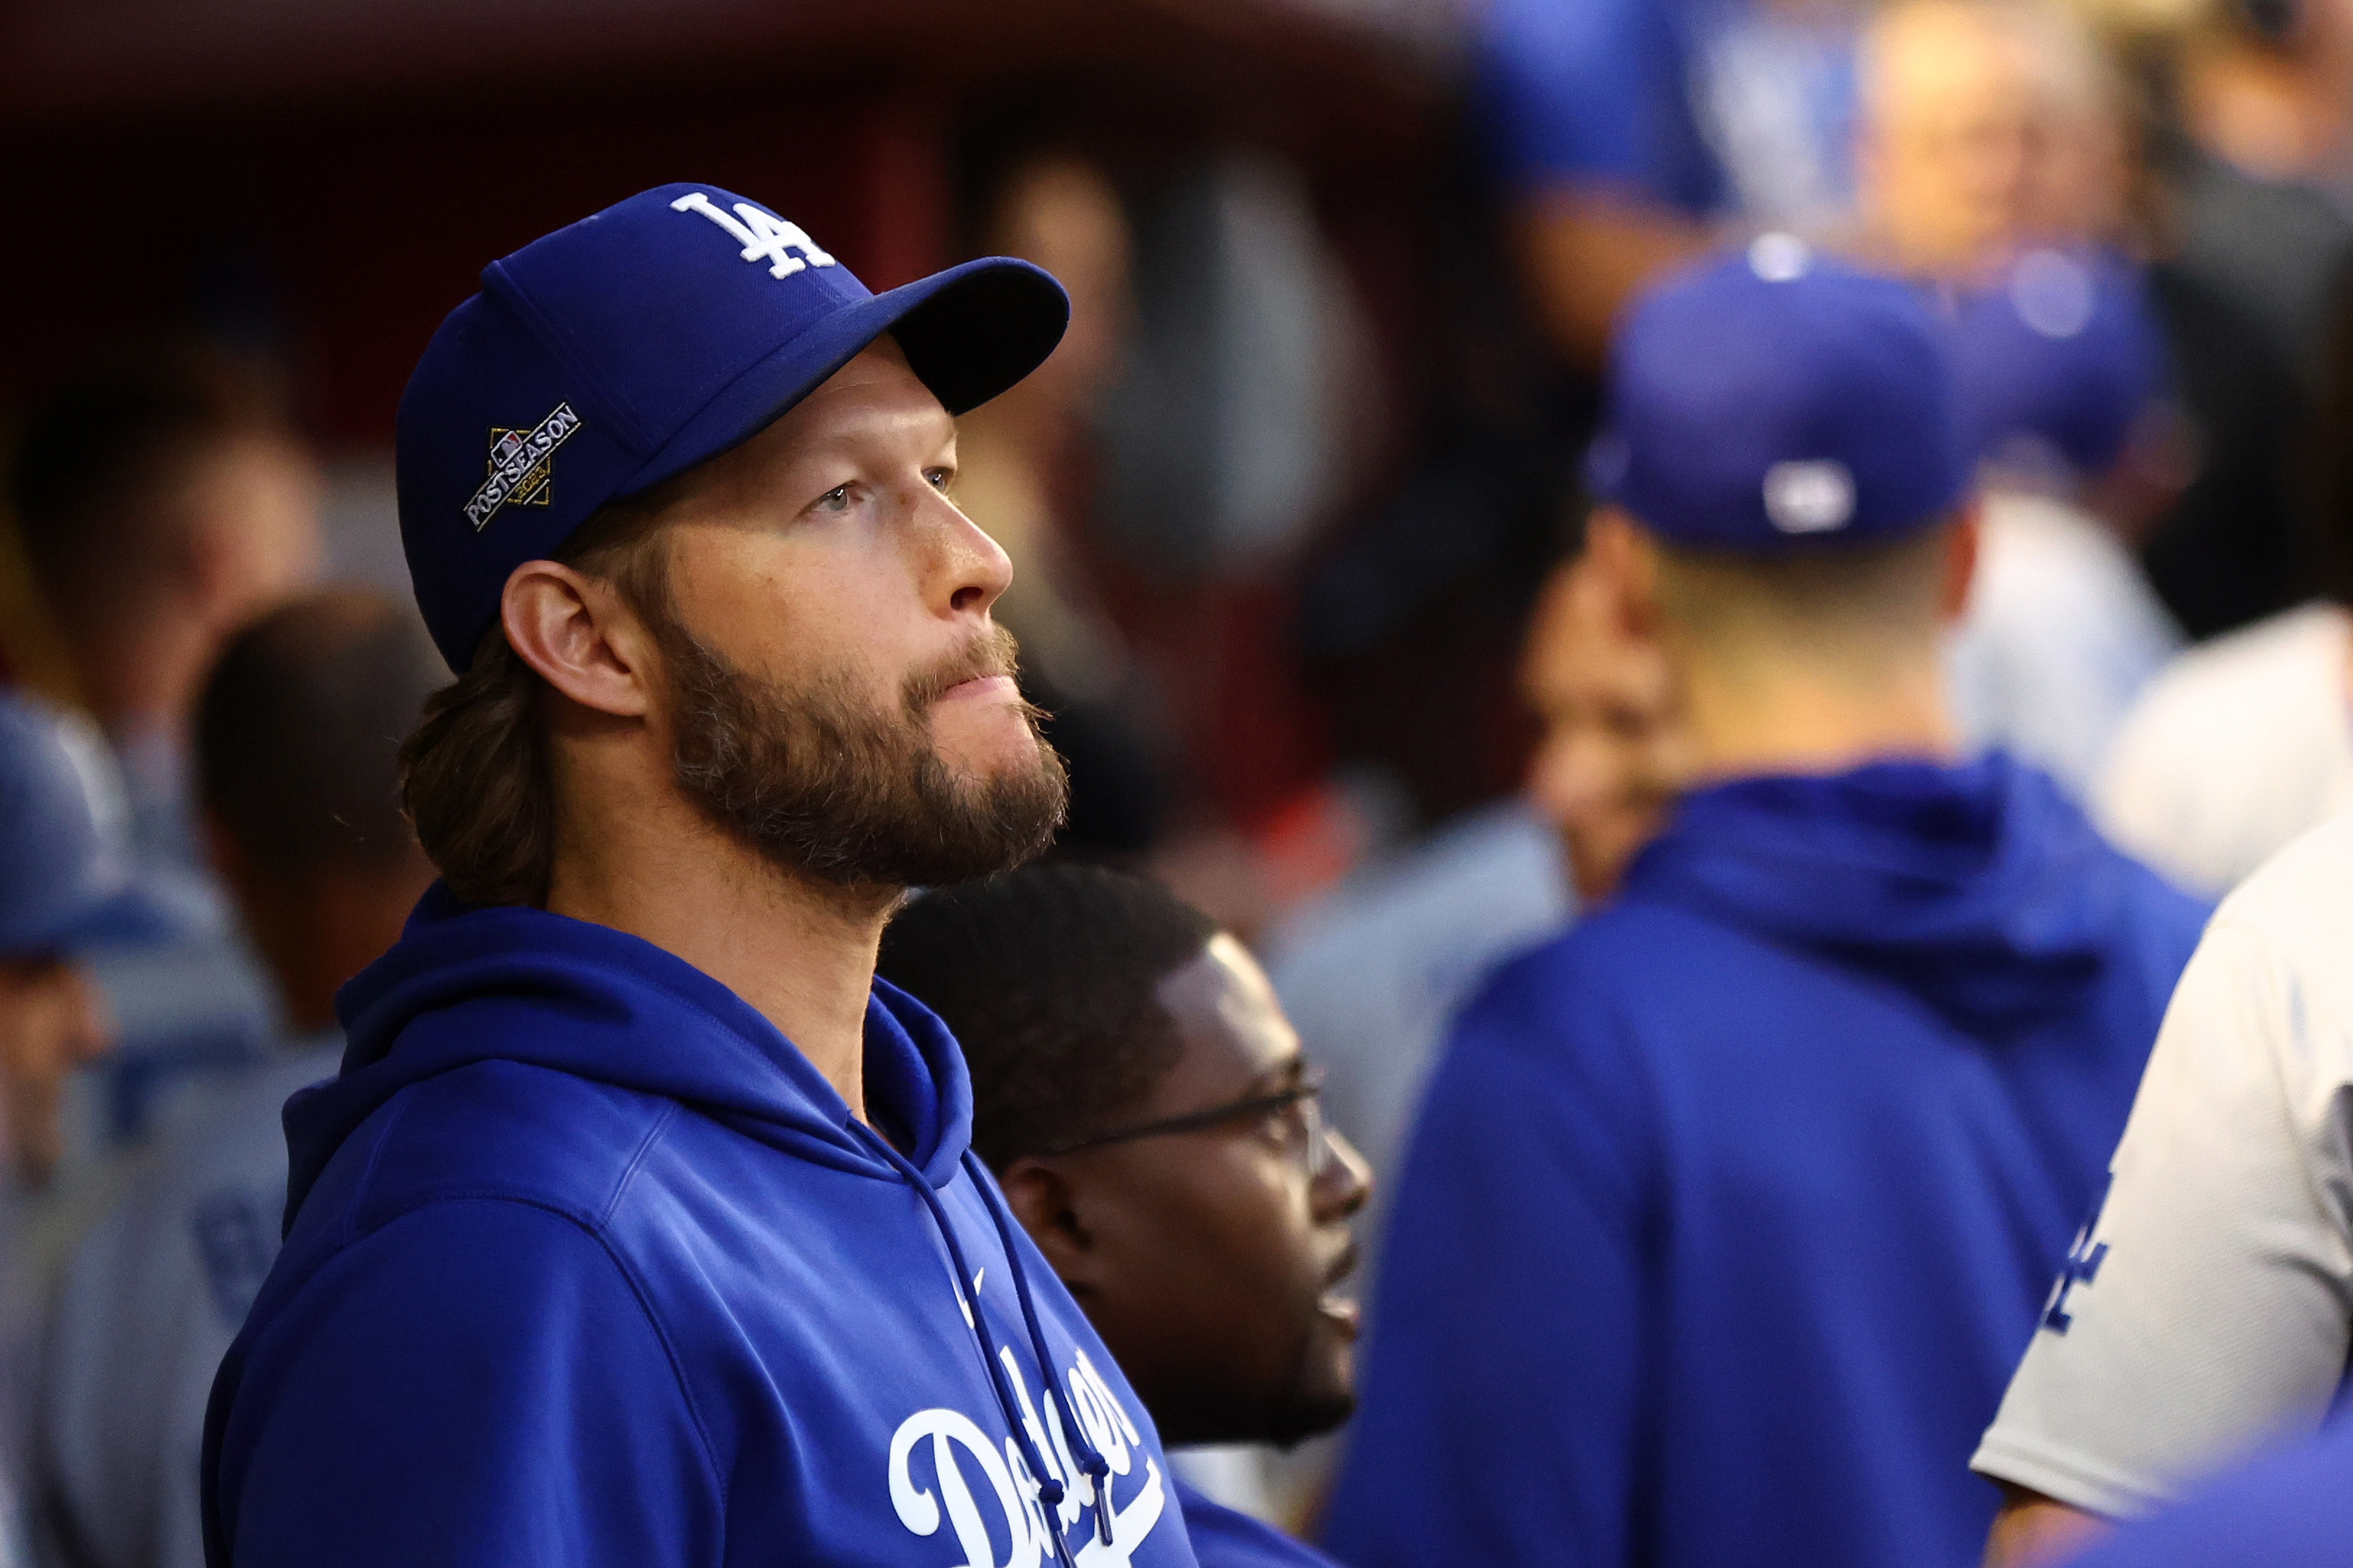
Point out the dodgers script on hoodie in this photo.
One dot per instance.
(1730, 1210)
(587, 1266)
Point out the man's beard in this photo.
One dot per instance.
(823, 785)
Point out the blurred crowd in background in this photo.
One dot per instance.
(1296, 509)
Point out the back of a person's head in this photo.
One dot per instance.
(91, 457)
(298, 728)
(1858, 606)
(1047, 976)
(1783, 427)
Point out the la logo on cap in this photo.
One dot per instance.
(762, 234)
(1810, 497)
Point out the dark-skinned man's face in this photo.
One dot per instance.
(1209, 1260)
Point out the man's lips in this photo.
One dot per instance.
(1342, 1310)
(982, 688)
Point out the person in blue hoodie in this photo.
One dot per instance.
(1729, 1211)
(1144, 1101)
(641, 1225)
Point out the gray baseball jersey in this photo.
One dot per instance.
(2208, 1308)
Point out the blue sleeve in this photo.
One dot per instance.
(1593, 90)
(2295, 1506)
(474, 1384)
(1507, 1368)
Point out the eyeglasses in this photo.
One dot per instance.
(1299, 1112)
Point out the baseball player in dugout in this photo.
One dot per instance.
(641, 1225)
(1812, 1106)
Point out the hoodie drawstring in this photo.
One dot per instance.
(1090, 1457)
(1051, 1491)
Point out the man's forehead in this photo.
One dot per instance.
(1227, 1012)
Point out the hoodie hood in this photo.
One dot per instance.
(467, 985)
(1977, 888)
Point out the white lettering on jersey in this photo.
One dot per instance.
(1021, 1522)
(762, 234)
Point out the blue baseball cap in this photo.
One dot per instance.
(1771, 398)
(67, 881)
(2058, 362)
(622, 351)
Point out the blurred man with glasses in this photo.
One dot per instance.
(1143, 1102)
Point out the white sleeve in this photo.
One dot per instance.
(2207, 1310)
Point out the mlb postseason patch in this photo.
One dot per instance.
(521, 465)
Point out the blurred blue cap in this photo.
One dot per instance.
(624, 350)
(1771, 398)
(2057, 362)
(67, 881)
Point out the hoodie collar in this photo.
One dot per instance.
(1976, 886)
(467, 985)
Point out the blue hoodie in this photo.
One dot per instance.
(588, 1265)
(1731, 1211)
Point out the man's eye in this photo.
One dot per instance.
(940, 479)
(835, 499)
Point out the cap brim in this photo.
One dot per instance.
(968, 334)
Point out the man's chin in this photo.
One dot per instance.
(1313, 1415)
(984, 748)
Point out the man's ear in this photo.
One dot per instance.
(580, 635)
(1961, 560)
(1046, 1201)
(1625, 556)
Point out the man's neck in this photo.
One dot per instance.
(1792, 719)
(798, 950)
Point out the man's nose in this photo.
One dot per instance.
(970, 569)
(1346, 1184)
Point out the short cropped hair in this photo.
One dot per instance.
(1836, 595)
(1047, 978)
(300, 725)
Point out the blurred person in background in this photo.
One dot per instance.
(1025, 461)
(1993, 167)
(2245, 269)
(161, 505)
(1986, 125)
(296, 737)
(1148, 1112)
(2244, 744)
(1995, 129)
(1628, 132)
(2263, 90)
(161, 508)
(2060, 376)
(1373, 974)
(68, 887)
(1726, 1210)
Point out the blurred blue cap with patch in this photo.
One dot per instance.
(2058, 362)
(67, 881)
(1771, 398)
(623, 350)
